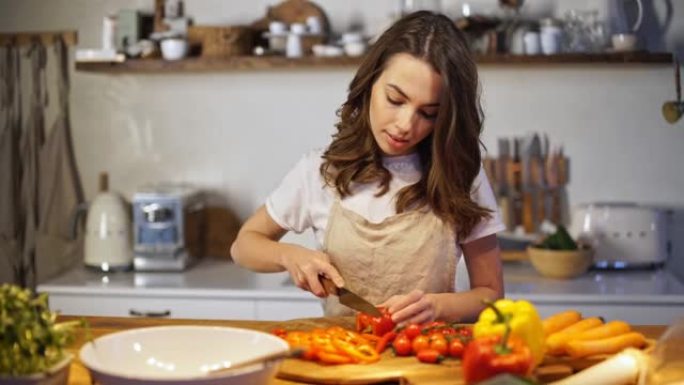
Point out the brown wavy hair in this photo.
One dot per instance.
(450, 155)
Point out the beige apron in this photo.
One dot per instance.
(407, 251)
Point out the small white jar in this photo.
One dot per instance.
(294, 47)
(550, 36)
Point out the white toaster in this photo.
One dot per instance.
(623, 235)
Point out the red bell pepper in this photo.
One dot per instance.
(489, 356)
(378, 326)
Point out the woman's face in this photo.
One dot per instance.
(404, 104)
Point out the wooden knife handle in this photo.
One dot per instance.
(528, 212)
(328, 285)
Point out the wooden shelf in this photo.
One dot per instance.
(45, 37)
(640, 57)
(252, 63)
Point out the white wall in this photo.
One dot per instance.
(238, 132)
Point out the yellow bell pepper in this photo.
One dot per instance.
(524, 322)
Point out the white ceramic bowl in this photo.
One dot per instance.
(355, 49)
(624, 42)
(180, 355)
(174, 49)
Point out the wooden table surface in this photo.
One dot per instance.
(104, 325)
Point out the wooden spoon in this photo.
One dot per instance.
(256, 360)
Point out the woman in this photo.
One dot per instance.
(399, 194)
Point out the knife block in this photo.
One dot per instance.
(527, 206)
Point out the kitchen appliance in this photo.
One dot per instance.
(623, 235)
(167, 223)
(108, 230)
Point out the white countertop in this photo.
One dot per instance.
(657, 286)
(223, 279)
(209, 278)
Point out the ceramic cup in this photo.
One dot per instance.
(355, 49)
(623, 42)
(277, 27)
(174, 49)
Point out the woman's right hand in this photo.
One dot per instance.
(306, 265)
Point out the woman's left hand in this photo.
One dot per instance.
(414, 307)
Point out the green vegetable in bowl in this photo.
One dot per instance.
(560, 240)
(31, 341)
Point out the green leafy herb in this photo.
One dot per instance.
(31, 341)
(560, 240)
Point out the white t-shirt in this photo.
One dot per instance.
(302, 200)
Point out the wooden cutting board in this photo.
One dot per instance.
(402, 370)
(405, 370)
(408, 370)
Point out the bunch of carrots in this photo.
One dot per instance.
(569, 334)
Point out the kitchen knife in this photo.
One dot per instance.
(350, 299)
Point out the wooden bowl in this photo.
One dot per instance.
(562, 264)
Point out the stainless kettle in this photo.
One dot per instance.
(108, 244)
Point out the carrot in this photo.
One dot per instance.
(610, 329)
(555, 343)
(559, 321)
(610, 345)
(584, 324)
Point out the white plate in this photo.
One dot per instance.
(180, 355)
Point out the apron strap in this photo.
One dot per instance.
(7, 84)
(62, 58)
(38, 56)
(10, 100)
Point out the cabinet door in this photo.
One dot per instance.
(280, 310)
(149, 306)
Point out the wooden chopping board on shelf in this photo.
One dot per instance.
(293, 11)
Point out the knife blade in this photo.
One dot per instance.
(349, 298)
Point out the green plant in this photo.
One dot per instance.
(31, 341)
(559, 240)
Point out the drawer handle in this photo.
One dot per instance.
(149, 314)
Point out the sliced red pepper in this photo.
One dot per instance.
(358, 353)
(333, 358)
(385, 340)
